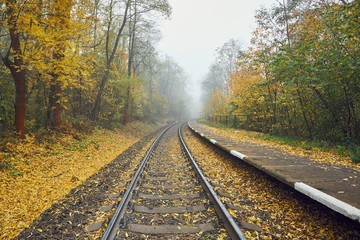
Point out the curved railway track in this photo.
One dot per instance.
(169, 198)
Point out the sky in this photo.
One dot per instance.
(198, 27)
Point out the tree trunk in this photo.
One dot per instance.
(302, 105)
(20, 102)
(55, 107)
(126, 118)
(132, 109)
(288, 117)
(62, 15)
(127, 107)
(96, 109)
(17, 72)
(109, 59)
(80, 98)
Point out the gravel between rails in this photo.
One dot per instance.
(168, 173)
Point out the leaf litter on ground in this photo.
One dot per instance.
(315, 154)
(280, 212)
(35, 174)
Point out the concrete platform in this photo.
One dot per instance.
(335, 186)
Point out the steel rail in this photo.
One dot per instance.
(111, 230)
(230, 225)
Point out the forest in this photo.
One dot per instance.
(81, 63)
(83, 88)
(85, 62)
(300, 76)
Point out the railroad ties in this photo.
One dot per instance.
(169, 192)
(168, 201)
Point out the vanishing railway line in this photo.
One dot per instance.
(168, 201)
(169, 198)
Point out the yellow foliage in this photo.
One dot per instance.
(56, 33)
(244, 90)
(219, 102)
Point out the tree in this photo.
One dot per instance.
(60, 22)
(14, 60)
(110, 50)
(70, 60)
(218, 77)
(45, 41)
(111, 45)
(300, 74)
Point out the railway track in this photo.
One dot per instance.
(169, 198)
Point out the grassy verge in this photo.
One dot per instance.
(349, 150)
(345, 152)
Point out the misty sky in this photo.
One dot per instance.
(198, 27)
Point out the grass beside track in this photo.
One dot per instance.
(318, 151)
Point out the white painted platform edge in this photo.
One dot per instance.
(237, 154)
(329, 201)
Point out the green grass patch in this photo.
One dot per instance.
(10, 167)
(295, 142)
(214, 124)
(345, 150)
(355, 154)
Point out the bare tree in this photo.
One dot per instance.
(131, 11)
(110, 50)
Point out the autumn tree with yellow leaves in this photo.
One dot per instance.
(13, 59)
(300, 75)
(80, 63)
(43, 47)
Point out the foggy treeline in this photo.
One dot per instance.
(299, 76)
(83, 62)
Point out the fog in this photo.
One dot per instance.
(195, 105)
(197, 28)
